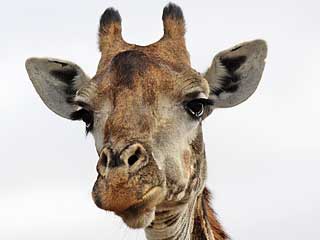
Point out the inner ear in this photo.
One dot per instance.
(229, 81)
(65, 75)
(232, 64)
(68, 76)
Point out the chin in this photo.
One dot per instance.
(138, 218)
(141, 215)
(136, 213)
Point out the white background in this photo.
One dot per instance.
(263, 155)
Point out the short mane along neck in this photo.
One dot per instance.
(190, 221)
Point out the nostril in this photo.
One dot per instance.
(102, 163)
(104, 159)
(135, 157)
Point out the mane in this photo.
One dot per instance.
(218, 232)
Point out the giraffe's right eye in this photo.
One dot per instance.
(197, 107)
(84, 115)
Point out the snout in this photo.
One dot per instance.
(129, 181)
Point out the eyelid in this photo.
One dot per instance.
(195, 94)
(77, 115)
(204, 101)
(83, 105)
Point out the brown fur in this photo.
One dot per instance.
(133, 74)
(127, 66)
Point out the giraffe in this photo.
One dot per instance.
(145, 107)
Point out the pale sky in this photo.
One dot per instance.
(263, 156)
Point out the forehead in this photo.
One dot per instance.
(141, 72)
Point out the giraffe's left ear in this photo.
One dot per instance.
(56, 81)
(235, 73)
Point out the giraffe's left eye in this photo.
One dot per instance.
(196, 107)
(86, 116)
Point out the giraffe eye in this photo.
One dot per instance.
(87, 117)
(84, 115)
(196, 107)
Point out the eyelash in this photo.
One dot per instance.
(86, 116)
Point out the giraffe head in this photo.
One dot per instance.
(144, 108)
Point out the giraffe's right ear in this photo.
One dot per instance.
(235, 73)
(56, 81)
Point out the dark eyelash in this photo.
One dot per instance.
(89, 129)
(79, 115)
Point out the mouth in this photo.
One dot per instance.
(141, 214)
(135, 212)
(149, 200)
(132, 196)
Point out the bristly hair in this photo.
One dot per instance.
(173, 22)
(173, 11)
(110, 15)
(84, 115)
(218, 232)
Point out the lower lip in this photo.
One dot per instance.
(147, 202)
(151, 192)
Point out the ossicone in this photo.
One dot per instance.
(110, 30)
(173, 21)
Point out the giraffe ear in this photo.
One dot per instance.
(235, 73)
(56, 81)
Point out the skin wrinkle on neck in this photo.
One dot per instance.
(178, 222)
(180, 226)
(205, 225)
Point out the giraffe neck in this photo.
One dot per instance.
(189, 221)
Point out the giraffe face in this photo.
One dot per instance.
(146, 117)
(144, 108)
